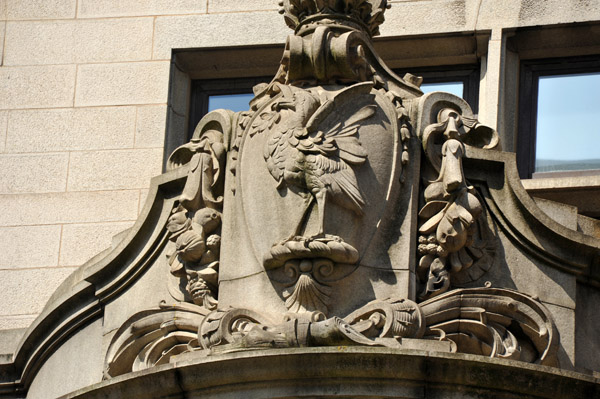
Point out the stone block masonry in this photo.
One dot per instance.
(83, 109)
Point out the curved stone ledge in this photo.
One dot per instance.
(346, 372)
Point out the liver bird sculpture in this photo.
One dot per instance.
(317, 163)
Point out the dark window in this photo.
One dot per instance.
(558, 106)
(235, 94)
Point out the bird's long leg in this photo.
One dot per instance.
(321, 197)
(302, 220)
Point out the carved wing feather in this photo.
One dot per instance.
(343, 188)
(344, 134)
(346, 95)
(275, 154)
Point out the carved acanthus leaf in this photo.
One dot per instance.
(151, 337)
(390, 318)
(366, 14)
(494, 322)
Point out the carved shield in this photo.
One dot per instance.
(293, 150)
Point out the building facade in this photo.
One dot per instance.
(96, 94)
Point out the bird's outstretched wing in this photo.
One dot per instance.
(341, 139)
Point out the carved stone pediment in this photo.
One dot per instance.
(344, 208)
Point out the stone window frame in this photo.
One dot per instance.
(202, 89)
(531, 71)
(531, 52)
(236, 66)
(531, 45)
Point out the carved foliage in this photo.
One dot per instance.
(367, 14)
(452, 223)
(380, 323)
(390, 318)
(481, 321)
(494, 322)
(151, 337)
(194, 225)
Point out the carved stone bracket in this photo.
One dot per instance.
(194, 225)
(453, 227)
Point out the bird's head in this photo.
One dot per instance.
(208, 218)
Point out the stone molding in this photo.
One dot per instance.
(346, 371)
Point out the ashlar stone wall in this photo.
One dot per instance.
(83, 105)
(83, 94)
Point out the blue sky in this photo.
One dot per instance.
(568, 125)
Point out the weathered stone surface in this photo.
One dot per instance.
(564, 318)
(9, 322)
(38, 246)
(562, 213)
(489, 88)
(9, 339)
(117, 8)
(67, 362)
(70, 129)
(54, 208)
(408, 17)
(587, 320)
(122, 83)
(48, 9)
(204, 31)
(78, 41)
(150, 126)
(348, 371)
(54, 86)
(2, 32)
(532, 276)
(215, 6)
(80, 242)
(3, 128)
(562, 189)
(20, 173)
(143, 198)
(527, 13)
(113, 170)
(28, 289)
(151, 288)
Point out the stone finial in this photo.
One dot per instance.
(364, 15)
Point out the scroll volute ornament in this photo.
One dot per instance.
(326, 57)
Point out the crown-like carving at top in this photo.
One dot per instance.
(365, 14)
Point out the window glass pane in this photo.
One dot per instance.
(568, 132)
(455, 88)
(234, 102)
(239, 102)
